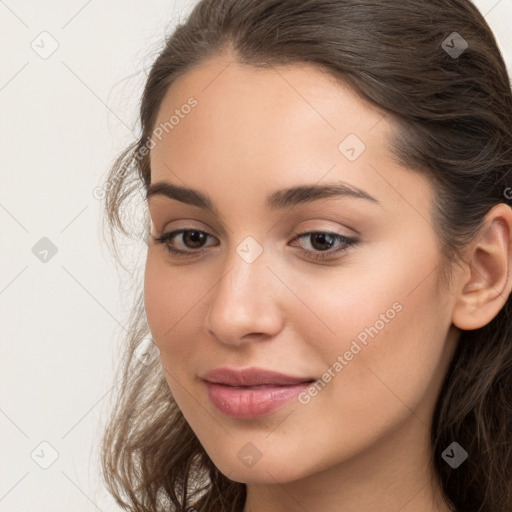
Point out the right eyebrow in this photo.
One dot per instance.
(279, 199)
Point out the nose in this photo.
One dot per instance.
(246, 301)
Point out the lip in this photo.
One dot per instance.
(252, 392)
(251, 377)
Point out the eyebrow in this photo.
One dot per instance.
(279, 199)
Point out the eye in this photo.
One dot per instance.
(190, 238)
(321, 242)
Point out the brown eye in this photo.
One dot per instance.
(322, 241)
(193, 239)
(321, 244)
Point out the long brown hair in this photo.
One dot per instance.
(452, 110)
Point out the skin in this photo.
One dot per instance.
(363, 442)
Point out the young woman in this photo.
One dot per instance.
(328, 274)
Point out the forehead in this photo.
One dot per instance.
(246, 113)
(270, 128)
(300, 97)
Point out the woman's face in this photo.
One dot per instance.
(369, 322)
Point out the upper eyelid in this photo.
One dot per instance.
(352, 232)
(296, 233)
(314, 214)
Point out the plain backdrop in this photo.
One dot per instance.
(70, 83)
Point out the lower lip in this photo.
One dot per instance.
(247, 403)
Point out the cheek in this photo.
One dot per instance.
(172, 300)
(384, 297)
(387, 328)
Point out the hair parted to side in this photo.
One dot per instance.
(453, 120)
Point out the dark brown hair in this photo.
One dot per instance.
(452, 118)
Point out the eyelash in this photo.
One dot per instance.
(166, 238)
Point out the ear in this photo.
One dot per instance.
(487, 279)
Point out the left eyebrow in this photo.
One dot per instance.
(276, 200)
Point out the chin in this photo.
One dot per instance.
(262, 472)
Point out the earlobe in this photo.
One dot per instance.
(487, 278)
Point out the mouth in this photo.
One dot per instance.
(252, 378)
(251, 402)
(250, 393)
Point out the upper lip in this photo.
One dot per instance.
(251, 377)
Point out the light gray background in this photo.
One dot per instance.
(63, 120)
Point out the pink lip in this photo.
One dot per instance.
(252, 392)
(251, 377)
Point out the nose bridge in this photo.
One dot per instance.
(245, 271)
(243, 300)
